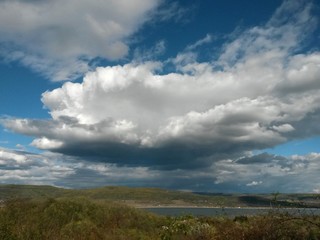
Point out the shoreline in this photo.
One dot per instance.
(211, 207)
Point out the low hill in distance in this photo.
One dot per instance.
(154, 197)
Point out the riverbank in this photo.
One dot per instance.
(230, 212)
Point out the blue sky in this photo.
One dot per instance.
(217, 96)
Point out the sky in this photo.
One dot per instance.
(207, 96)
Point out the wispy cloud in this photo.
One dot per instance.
(205, 40)
(254, 183)
(149, 54)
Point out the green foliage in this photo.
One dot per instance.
(73, 219)
(275, 226)
(187, 228)
(83, 219)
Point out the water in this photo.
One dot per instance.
(230, 212)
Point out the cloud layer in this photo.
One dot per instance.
(27, 168)
(251, 97)
(199, 122)
(251, 173)
(59, 38)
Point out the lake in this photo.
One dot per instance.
(230, 212)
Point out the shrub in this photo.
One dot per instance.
(187, 228)
(79, 219)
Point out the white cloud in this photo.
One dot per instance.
(283, 128)
(58, 38)
(9, 156)
(29, 168)
(282, 34)
(303, 73)
(269, 172)
(205, 40)
(45, 143)
(254, 183)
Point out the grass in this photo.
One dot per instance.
(85, 219)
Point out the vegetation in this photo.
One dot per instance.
(80, 218)
(156, 197)
(74, 219)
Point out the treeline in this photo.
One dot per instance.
(83, 219)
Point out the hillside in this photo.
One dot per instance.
(153, 197)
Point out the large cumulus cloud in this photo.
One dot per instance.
(258, 93)
(59, 38)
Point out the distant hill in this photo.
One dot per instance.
(30, 191)
(153, 197)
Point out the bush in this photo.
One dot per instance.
(72, 219)
(187, 228)
(81, 219)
